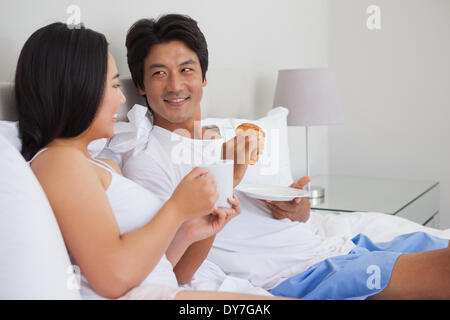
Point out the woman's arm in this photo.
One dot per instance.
(112, 263)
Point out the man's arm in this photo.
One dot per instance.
(199, 236)
(192, 259)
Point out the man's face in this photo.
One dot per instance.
(173, 83)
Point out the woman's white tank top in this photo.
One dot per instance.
(133, 206)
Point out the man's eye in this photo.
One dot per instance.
(186, 69)
(158, 73)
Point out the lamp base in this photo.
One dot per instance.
(316, 201)
(316, 192)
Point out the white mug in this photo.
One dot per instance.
(222, 172)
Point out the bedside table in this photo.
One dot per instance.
(414, 200)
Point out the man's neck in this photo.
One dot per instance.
(191, 128)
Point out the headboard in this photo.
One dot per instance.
(8, 109)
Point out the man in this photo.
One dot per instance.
(269, 242)
(169, 68)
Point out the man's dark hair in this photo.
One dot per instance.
(146, 33)
(59, 84)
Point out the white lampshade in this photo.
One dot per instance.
(310, 95)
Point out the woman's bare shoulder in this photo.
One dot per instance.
(60, 159)
(68, 179)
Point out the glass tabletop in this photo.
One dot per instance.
(347, 193)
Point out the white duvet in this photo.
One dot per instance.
(379, 227)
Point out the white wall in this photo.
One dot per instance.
(393, 82)
(395, 85)
(248, 42)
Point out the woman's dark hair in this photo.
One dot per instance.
(59, 84)
(145, 33)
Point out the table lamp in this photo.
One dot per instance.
(311, 97)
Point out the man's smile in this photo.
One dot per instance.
(178, 101)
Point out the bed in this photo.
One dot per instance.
(35, 263)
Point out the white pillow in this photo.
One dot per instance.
(34, 260)
(10, 131)
(273, 166)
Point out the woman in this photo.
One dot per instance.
(120, 235)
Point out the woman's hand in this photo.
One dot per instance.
(195, 195)
(204, 227)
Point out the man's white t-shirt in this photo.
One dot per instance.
(253, 246)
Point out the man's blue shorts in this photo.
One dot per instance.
(361, 273)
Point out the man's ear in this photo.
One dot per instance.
(141, 92)
(204, 82)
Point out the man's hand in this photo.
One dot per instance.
(242, 149)
(296, 210)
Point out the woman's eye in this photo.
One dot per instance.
(116, 86)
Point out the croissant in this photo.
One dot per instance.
(250, 128)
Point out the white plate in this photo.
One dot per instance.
(272, 193)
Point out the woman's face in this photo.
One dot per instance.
(106, 117)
